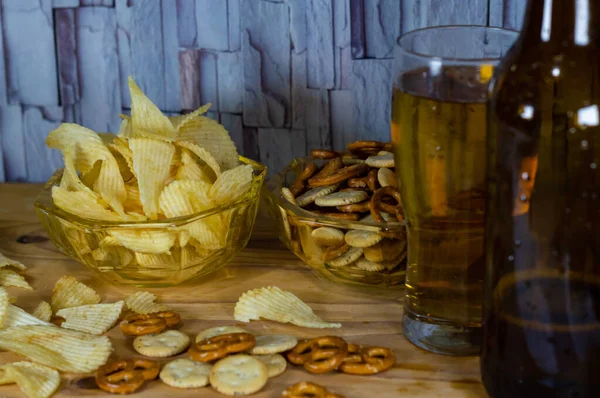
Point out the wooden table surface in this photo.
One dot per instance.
(368, 316)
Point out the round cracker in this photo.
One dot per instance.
(341, 198)
(347, 258)
(161, 345)
(238, 375)
(327, 236)
(369, 266)
(276, 364)
(273, 344)
(385, 250)
(310, 196)
(378, 161)
(185, 373)
(361, 238)
(288, 195)
(219, 330)
(387, 177)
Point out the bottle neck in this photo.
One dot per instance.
(566, 22)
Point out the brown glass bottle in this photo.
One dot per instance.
(542, 285)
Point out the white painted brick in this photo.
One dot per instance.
(318, 130)
(30, 51)
(186, 23)
(234, 24)
(123, 12)
(209, 91)
(171, 60)
(13, 143)
(299, 87)
(298, 24)
(320, 65)
(41, 161)
(231, 82)
(342, 123)
(233, 124)
(211, 25)
(382, 27)
(278, 147)
(68, 75)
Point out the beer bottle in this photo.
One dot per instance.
(542, 284)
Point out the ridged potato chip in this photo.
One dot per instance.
(7, 262)
(15, 316)
(155, 241)
(124, 158)
(69, 292)
(9, 277)
(146, 119)
(93, 319)
(184, 197)
(113, 254)
(82, 204)
(182, 120)
(4, 303)
(61, 349)
(143, 303)
(278, 305)
(212, 136)
(151, 164)
(132, 202)
(36, 381)
(43, 311)
(203, 155)
(231, 184)
(190, 170)
(70, 179)
(156, 261)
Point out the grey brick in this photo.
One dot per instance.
(186, 23)
(171, 60)
(41, 161)
(189, 77)
(12, 144)
(234, 24)
(299, 87)
(320, 65)
(342, 123)
(233, 124)
(231, 82)
(382, 27)
(123, 12)
(211, 25)
(68, 77)
(209, 90)
(278, 147)
(298, 24)
(318, 130)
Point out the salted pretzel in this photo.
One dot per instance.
(368, 361)
(324, 154)
(142, 324)
(298, 185)
(338, 176)
(376, 203)
(319, 355)
(365, 148)
(126, 376)
(361, 207)
(369, 181)
(306, 389)
(331, 166)
(218, 347)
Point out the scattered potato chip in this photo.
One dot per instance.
(203, 155)
(184, 197)
(278, 305)
(7, 262)
(143, 303)
(43, 311)
(155, 241)
(231, 184)
(4, 303)
(93, 319)
(190, 170)
(146, 119)
(151, 164)
(15, 316)
(69, 292)
(36, 381)
(9, 277)
(213, 137)
(61, 349)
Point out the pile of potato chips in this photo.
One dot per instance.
(156, 168)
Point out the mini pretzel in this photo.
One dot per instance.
(218, 347)
(376, 201)
(341, 216)
(320, 355)
(338, 176)
(141, 324)
(367, 148)
(324, 154)
(126, 376)
(298, 185)
(354, 355)
(331, 166)
(373, 360)
(306, 389)
(361, 207)
(335, 253)
(368, 181)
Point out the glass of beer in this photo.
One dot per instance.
(440, 91)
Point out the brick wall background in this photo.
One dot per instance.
(282, 75)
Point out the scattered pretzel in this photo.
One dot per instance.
(126, 376)
(320, 355)
(141, 324)
(338, 176)
(354, 355)
(218, 347)
(306, 389)
(376, 201)
(324, 154)
(372, 360)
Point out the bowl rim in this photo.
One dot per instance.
(304, 215)
(252, 194)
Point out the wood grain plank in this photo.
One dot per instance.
(267, 64)
(371, 86)
(13, 143)
(234, 25)
(233, 124)
(211, 25)
(230, 81)
(342, 123)
(41, 161)
(123, 12)
(382, 27)
(100, 102)
(319, 36)
(30, 52)
(318, 128)
(66, 45)
(278, 147)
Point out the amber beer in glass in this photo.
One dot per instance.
(542, 304)
(439, 130)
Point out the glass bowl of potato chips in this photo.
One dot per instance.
(342, 242)
(165, 200)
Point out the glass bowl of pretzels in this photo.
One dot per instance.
(341, 213)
